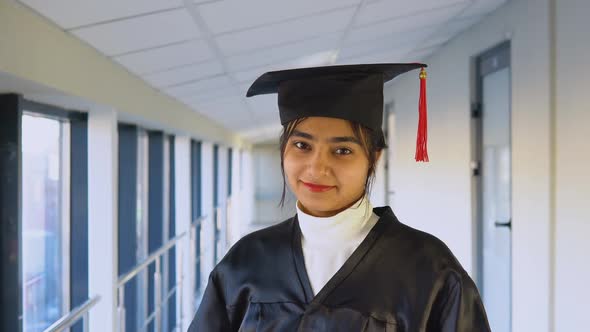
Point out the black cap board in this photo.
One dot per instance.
(349, 92)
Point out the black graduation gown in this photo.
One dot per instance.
(398, 279)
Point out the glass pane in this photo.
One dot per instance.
(497, 183)
(44, 218)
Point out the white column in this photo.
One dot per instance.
(236, 218)
(102, 217)
(182, 172)
(248, 192)
(222, 199)
(207, 240)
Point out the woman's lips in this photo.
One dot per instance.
(316, 187)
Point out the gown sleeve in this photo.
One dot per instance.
(212, 313)
(458, 308)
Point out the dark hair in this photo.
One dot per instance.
(372, 142)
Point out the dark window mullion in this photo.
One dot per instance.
(10, 212)
(155, 207)
(127, 217)
(79, 215)
(196, 206)
(172, 234)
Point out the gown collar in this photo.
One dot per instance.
(386, 217)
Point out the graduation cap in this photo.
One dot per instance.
(349, 92)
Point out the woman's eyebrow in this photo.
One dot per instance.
(338, 139)
(344, 139)
(302, 134)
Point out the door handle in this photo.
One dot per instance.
(504, 224)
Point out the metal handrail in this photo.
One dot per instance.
(73, 316)
(155, 257)
(152, 258)
(149, 260)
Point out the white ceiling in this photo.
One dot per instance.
(205, 53)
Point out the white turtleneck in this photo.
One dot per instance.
(328, 242)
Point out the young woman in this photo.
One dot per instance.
(339, 264)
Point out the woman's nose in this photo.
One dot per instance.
(318, 165)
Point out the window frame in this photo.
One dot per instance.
(74, 232)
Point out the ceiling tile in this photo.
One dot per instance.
(482, 7)
(284, 33)
(421, 55)
(406, 24)
(157, 59)
(234, 15)
(312, 60)
(388, 10)
(74, 13)
(395, 55)
(184, 74)
(282, 53)
(211, 95)
(230, 112)
(393, 41)
(449, 31)
(140, 33)
(189, 89)
(248, 76)
(220, 106)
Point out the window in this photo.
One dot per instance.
(146, 223)
(44, 224)
(45, 220)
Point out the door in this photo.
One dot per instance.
(494, 152)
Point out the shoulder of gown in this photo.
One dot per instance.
(258, 245)
(454, 302)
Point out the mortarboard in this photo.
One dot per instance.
(349, 92)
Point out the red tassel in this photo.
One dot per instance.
(421, 140)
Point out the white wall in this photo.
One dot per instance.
(248, 191)
(222, 198)
(236, 216)
(102, 218)
(207, 210)
(436, 196)
(572, 160)
(182, 173)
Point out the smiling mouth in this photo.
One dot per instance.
(317, 187)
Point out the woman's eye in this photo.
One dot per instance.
(301, 145)
(343, 151)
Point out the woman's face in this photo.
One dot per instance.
(325, 165)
